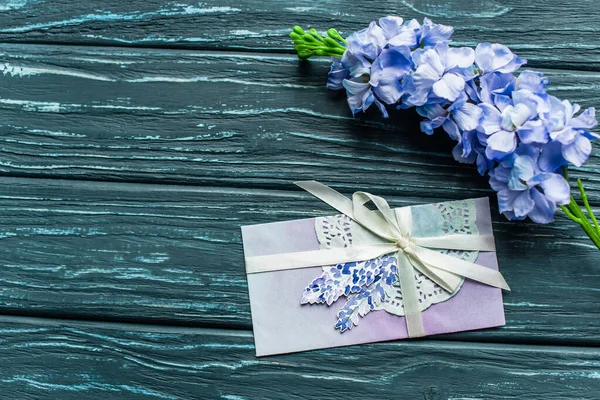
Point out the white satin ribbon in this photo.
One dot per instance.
(394, 227)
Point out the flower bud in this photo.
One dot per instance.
(330, 42)
(298, 30)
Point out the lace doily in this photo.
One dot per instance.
(456, 217)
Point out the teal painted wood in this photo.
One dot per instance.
(172, 254)
(226, 119)
(74, 360)
(551, 33)
(235, 129)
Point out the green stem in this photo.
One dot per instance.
(570, 214)
(586, 203)
(573, 211)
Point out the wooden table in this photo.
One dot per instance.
(137, 136)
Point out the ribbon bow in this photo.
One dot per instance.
(394, 227)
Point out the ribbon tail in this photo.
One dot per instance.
(332, 197)
(373, 221)
(457, 242)
(410, 297)
(460, 267)
(447, 280)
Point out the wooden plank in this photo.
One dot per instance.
(215, 118)
(552, 33)
(75, 360)
(172, 254)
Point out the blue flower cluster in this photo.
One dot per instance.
(508, 125)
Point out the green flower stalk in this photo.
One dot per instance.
(573, 210)
(313, 44)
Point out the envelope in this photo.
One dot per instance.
(329, 306)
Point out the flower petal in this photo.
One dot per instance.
(484, 57)
(533, 132)
(451, 129)
(432, 111)
(428, 126)
(521, 113)
(356, 92)
(449, 87)
(501, 143)
(556, 189)
(585, 120)
(391, 26)
(434, 33)
(376, 35)
(506, 199)
(505, 61)
(544, 209)
(337, 74)
(463, 156)
(381, 107)
(577, 152)
(533, 81)
(493, 84)
(461, 57)
(405, 37)
(523, 170)
(551, 157)
(566, 136)
(468, 116)
(496, 58)
(499, 178)
(422, 81)
(388, 69)
(490, 119)
(523, 204)
(356, 64)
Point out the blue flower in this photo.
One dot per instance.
(513, 119)
(362, 49)
(406, 35)
(525, 191)
(414, 35)
(496, 58)
(382, 84)
(501, 128)
(440, 74)
(570, 136)
(389, 69)
(432, 34)
(370, 72)
(360, 97)
(495, 87)
(457, 117)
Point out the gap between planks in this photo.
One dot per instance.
(171, 328)
(240, 50)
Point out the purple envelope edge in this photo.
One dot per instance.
(282, 325)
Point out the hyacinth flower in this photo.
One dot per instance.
(501, 118)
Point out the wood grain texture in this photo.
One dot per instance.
(168, 151)
(172, 255)
(215, 118)
(68, 360)
(554, 33)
